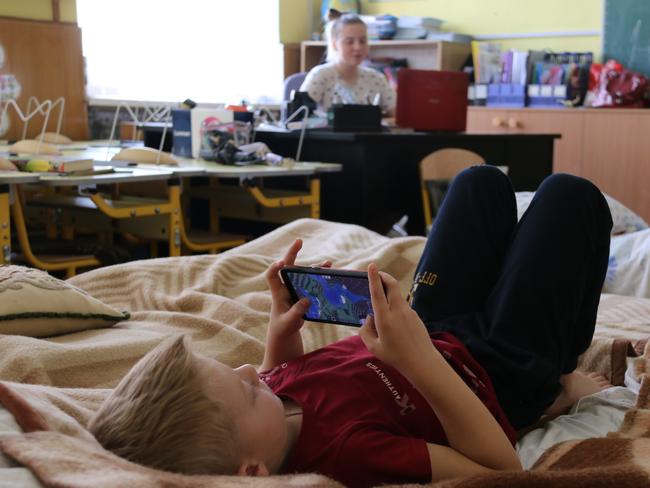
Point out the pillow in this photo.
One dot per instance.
(624, 219)
(35, 304)
(628, 270)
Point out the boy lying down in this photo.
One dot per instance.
(432, 389)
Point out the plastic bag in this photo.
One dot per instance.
(221, 141)
(615, 86)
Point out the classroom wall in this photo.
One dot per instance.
(38, 9)
(486, 17)
(298, 18)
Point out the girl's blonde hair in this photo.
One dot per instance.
(333, 30)
(159, 416)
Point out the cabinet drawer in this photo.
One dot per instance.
(568, 150)
(487, 121)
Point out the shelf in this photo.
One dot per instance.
(421, 54)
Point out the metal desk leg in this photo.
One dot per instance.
(171, 208)
(5, 226)
(312, 198)
(175, 218)
(219, 242)
(69, 265)
(314, 190)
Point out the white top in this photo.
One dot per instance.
(326, 87)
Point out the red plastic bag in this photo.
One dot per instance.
(616, 86)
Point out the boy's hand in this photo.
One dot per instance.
(286, 317)
(395, 334)
(283, 341)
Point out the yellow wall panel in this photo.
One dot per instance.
(496, 17)
(475, 17)
(499, 16)
(68, 10)
(38, 9)
(298, 18)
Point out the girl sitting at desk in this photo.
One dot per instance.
(342, 79)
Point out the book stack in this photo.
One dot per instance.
(412, 27)
(379, 27)
(486, 57)
(514, 70)
(558, 79)
(54, 164)
(504, 74)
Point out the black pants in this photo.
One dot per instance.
(521, 296)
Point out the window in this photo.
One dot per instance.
(217, 51)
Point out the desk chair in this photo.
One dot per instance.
(291, 83)
(436, 171)
(156, 228)
(67, 263)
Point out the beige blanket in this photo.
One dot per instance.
(222, 302)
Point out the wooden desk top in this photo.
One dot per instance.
(102, 154)
(11, 177)
(120, 175)
(197, 167)
(396, 135)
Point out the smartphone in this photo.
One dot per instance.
(336, 296)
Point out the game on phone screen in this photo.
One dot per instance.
(338, 299)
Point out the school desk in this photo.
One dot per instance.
(170, 209)
(88, 197)
(248, 176)
(380, 178)
(225, 200)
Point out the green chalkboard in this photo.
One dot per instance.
(626, 33)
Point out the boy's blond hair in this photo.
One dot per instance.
(159, 416)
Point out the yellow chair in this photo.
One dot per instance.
(154, 228)
(67, 263)
(438, 169)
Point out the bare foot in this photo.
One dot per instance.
(576, 385)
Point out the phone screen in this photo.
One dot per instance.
(335, 298)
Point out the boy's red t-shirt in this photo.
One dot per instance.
(363, 423)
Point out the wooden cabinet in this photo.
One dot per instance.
(616, 156)
(439, 55)
(47, 61)
(611, 147)
(568, 149)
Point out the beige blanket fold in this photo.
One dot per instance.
(63, 461)
(53, 386)
(622, 459)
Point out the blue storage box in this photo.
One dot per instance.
(553, 96)
(506, 95)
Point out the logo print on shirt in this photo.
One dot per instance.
(406, 406)
(426, 278)
(401, 400)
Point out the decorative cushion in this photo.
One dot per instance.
(35, 304)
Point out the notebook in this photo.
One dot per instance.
(430, 100)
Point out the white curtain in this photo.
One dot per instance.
(212, 51)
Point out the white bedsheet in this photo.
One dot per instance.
(593, 416)
(628, 271)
